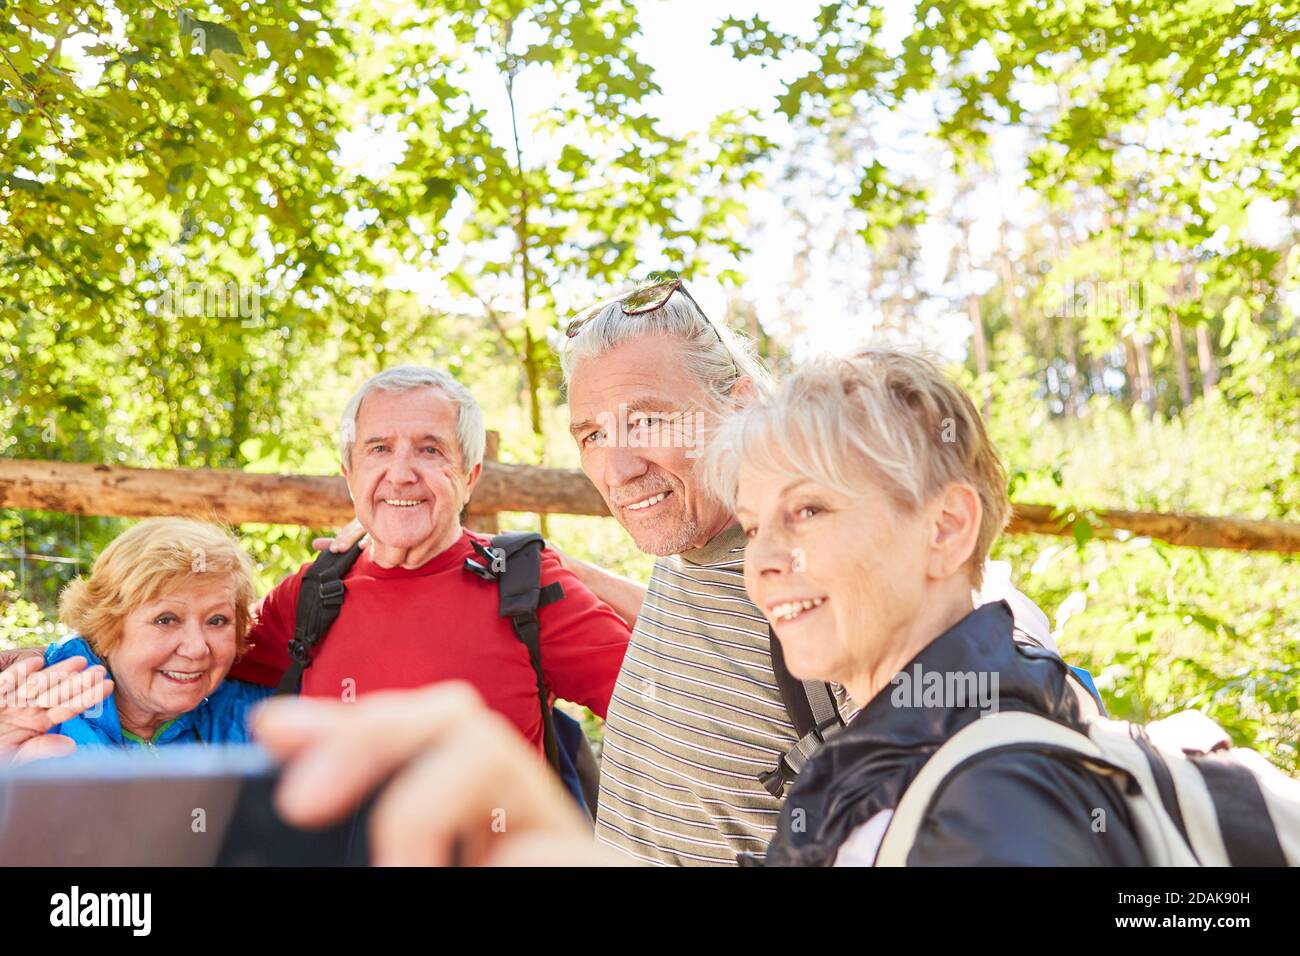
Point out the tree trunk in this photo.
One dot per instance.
(1205, 358)
(1076, 398)
(1008, 276)
(1131, 371)
(978, 345)
(532, 372)
(1180, 359)
(1097, 375)
(1144, 372)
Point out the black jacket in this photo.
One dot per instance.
(1012, 807)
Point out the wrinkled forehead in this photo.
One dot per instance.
(756, 484)
(408, 411)
(647, 372)
(200, 589)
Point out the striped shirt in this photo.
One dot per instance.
(695, 717)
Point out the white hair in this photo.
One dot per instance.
(716, 356)
(471, 435)
(884, 417)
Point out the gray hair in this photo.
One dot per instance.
(715, 355)
(471, 435)
(881, 416)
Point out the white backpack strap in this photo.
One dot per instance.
(989, 732)
(1186, 732)
(1185, 739)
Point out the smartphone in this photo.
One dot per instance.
(184, 805)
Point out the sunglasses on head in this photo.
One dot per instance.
(643, 299)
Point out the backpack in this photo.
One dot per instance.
(813, 711)
(514, 562)
(1194, 799)
(812, 708)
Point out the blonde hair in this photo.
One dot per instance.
(147, 561)
(881, 415)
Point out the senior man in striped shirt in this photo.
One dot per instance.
(696, 716)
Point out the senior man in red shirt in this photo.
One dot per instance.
(412, 443)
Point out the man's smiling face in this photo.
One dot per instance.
(637, 415)
(406, 473)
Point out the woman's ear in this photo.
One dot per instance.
(955, 527)
(743, 392)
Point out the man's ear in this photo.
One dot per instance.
(471, 480)
(955, 517)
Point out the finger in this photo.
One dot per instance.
(348, 535)
(340, 752)
(52, 687)
(320, 544)
(287, 725)
(44, 747)
(78, 694)
(16, 676)
(481, 785)
(43, 678)
(11, 657)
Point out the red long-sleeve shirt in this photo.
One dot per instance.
(408, 627)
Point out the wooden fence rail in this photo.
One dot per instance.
(320, 502)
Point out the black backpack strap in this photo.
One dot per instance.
(1250, 835)
(816, 718)
(514, 561)
(319, 603)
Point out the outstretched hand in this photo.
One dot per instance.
(459, 783)
(35, 698)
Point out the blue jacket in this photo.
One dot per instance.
(221, 718)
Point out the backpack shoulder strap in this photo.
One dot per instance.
(816, 718)
(992, 732)
(319, 603)
(514, 561)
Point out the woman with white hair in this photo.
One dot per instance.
(870, 495)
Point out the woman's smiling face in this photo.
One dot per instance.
(174, 651)
(836, 576)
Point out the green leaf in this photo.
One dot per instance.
(208, 36)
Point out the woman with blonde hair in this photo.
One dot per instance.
(162, 616)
